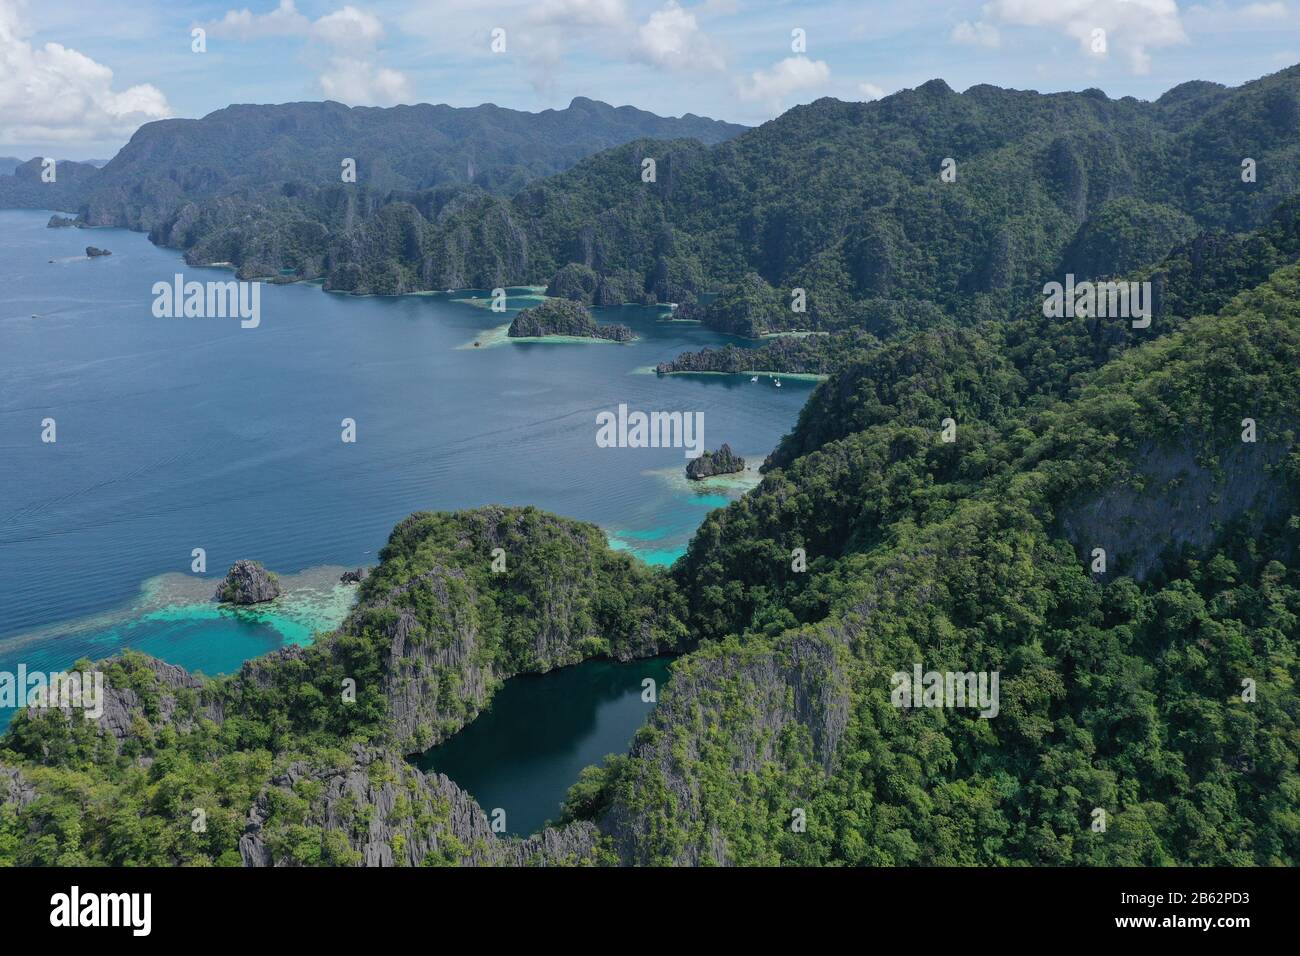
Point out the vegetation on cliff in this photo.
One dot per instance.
(803, 355)
(564, 317)
(941, 504)
(444, 614)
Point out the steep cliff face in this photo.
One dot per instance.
(377, 810)
(15, 790)
(437, 676)
(463, 601)
(1174, 499)
(141, 696)
(761, 712)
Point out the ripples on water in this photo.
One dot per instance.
(182, 433)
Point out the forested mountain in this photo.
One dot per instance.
(941, 503)
(845, 200)
(1121, 690)
(265, 182)
(22, 187)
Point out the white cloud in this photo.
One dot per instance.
(345, 28)
(794, 74)
(57, 94)
(350, 74)
(1131, 28)
(672, 39)
(869, 91)
(976, 34)
(597, 13)
(348, 28)
(1264, 11)
(284, 20)
(359, 82)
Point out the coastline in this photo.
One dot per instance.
(792, 376)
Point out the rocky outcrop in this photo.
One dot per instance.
(770, 708)
(15, 789)
(720, 462)
(141, 692)
(247, 582)
(436, 679)
(450, 632)
(62, 222)
(94, 252)
(381, 811)
(353, 577)
(1173, 500)
(564, 317)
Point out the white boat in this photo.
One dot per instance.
(754, 379)
(778, 383)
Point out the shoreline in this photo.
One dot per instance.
(309, 597)
(792, 376)
(496, 336)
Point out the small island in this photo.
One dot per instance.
(62, 222)
(94, 252)
(564, 317)
(720, 462)
(247, 582)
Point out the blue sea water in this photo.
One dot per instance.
(176, 434)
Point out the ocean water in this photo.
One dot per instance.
(176, 434)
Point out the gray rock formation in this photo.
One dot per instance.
(424, 705)
(15, 790)
(436, 678)
(353, 577)
(175, 699)
(720, 462)
(94, 252)
(384, 812)
(1171, 500)
(247, 582)
(796, 695)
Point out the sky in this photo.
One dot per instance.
(78, 77)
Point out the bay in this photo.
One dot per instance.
(176, 434)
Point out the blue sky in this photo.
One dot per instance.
(77, 77)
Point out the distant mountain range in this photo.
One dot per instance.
(843, 200)
(846, 201)
(182, 180)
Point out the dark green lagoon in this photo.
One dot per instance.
(527, 749)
